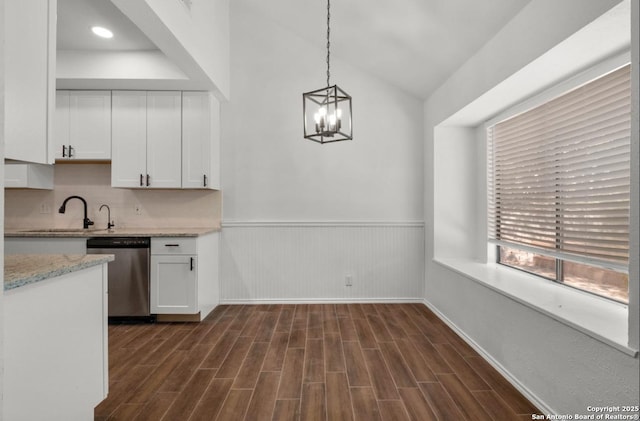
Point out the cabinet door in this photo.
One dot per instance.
(54, 337)
(29, 79)
(61, 125)
(28, 176)
(128, 140)
(173, 286)
(164, 150)
(90, 124)
(196, 140)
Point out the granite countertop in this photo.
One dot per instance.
(24, 269)
(115, 232)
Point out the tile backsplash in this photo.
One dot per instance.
(130, 208)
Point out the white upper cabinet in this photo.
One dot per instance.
(200, 141)
(61, 125)
(129, 139)
(146, 141)
(164, 117)
(22, 175)
(165, 139)
(83, 125)
(30, 57)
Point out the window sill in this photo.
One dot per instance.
(602, 319)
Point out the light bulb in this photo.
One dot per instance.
(322, 111)
(102, 32)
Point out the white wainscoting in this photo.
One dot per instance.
(268, 262)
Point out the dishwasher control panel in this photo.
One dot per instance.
(119, 242)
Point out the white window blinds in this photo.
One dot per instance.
(558, 175)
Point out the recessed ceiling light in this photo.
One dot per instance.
(102, 32)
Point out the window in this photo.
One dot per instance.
(558, 187)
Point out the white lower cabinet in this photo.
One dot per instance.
(56, 361)
(184, 275)
(173, 284)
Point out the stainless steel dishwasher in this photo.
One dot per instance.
(128, 275)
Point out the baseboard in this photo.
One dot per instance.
(205, 310)
(533, 398)
(178, 317)
(325, 301)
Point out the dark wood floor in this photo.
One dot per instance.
(329, 362)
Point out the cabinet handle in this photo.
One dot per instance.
(172, 245)
(148, 180)
(191, 264)
(71, 149)
(204, 178)
(141, 182)
(64, 151)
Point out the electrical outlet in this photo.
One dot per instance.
(348, 280)
(45, 208)
(138, 209)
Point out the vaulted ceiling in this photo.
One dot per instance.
(412, 44)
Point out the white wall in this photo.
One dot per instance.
(197, 40)
(204, 33)
(634, 234)
(1, 205)
(311, 262)
(270, 173)
(141, 70)
(561, 368)
(455, 172)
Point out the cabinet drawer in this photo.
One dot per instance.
(173, 245)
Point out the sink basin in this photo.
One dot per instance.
(63, 230)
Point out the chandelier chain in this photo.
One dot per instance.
(327, 111)
(328, 41)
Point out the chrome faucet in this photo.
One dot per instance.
(86, 221)
(110, 223)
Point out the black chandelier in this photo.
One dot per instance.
(327, 111)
